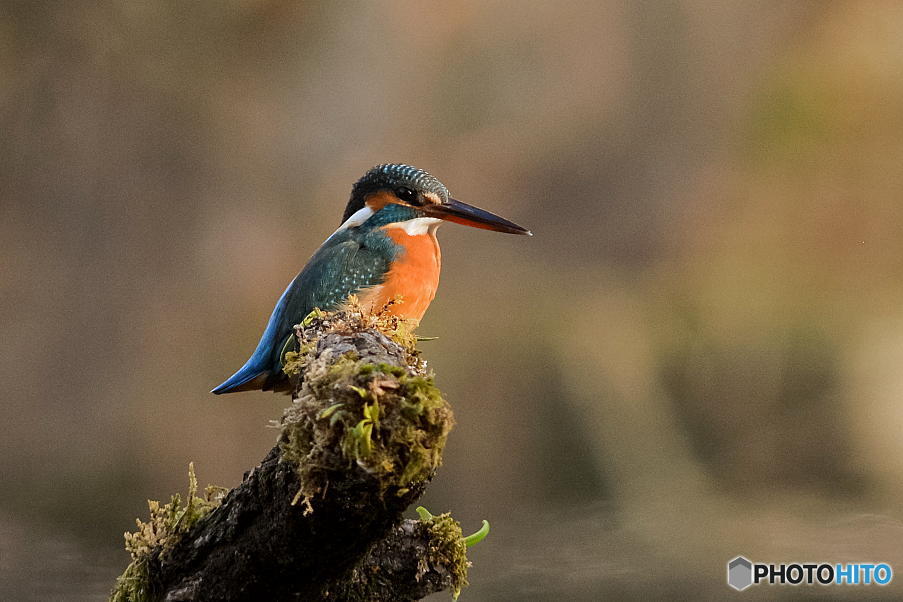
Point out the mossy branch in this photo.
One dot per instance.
(320, 516)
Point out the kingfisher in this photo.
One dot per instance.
(384, 250)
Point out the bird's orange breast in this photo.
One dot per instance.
(413, 277)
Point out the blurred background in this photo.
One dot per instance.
(698, 355)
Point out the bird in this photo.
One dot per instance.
(384, 250)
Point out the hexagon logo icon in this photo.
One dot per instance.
(739, 573)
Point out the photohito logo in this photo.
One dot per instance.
(741, 573)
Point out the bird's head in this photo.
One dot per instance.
(395, 193)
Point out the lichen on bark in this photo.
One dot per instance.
(155, 537)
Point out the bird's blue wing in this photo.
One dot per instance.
(345, 264)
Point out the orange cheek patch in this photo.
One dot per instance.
(378, 200)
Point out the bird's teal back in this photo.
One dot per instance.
(351, 260)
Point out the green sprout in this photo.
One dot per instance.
(470, 540)
(309, 318)
(475, 538)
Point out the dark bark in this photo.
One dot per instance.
(266, 542)
(396, 568)
(257, 545)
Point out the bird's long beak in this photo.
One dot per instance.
(462, 213)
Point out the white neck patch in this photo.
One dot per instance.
(417, 226)
(357, 218)
(412, 227)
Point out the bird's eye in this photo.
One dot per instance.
(407, 195)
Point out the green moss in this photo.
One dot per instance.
(133, 584)
(294, 361)
(390, 369)
(344, 367)
(388, 420)
(446, 548)
(403, 334)
(391, 424)
(167, 524)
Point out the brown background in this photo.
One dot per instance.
(699, 354)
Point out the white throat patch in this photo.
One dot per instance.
(418, 225)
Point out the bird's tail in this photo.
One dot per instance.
(250, 377)
(259, 371)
